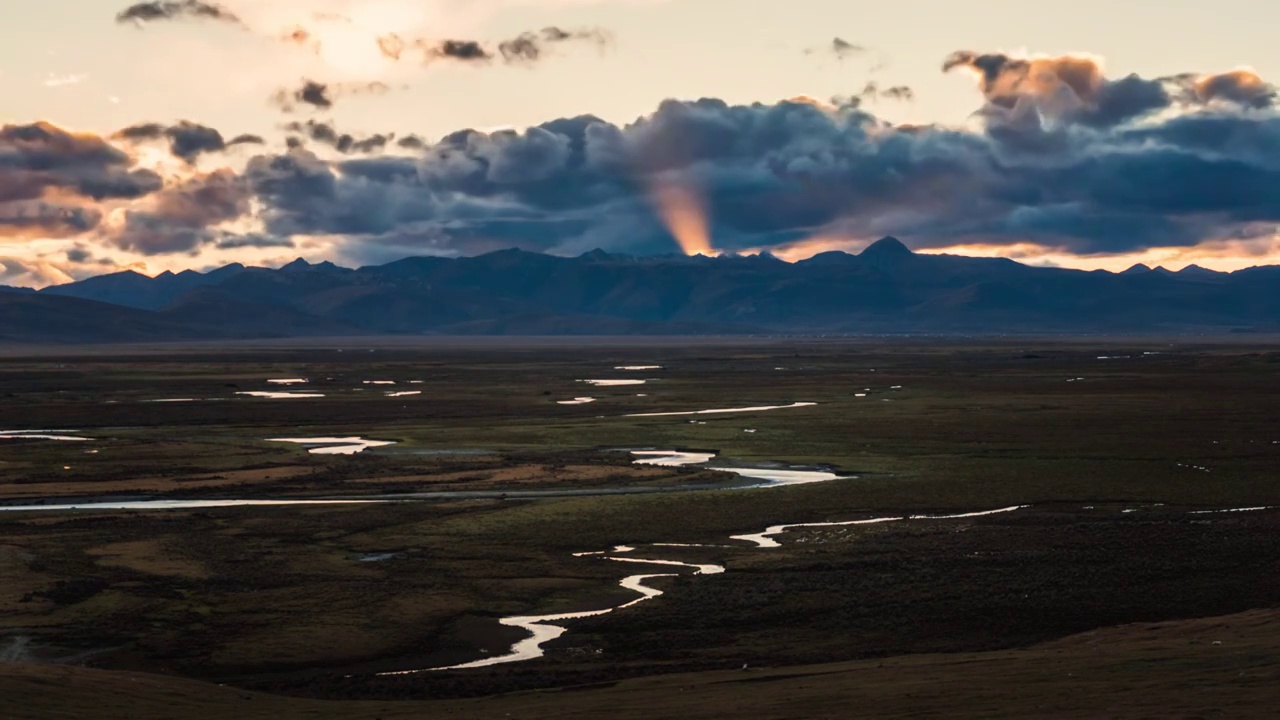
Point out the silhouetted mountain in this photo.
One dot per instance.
(133, 289)
(886, 288)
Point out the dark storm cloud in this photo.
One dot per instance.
(183, 217)
(1059, 154)
(41, 158)
(1060, 158)
(145, 12)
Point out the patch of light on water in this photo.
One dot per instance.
(178, 504)
(1232, 510)
(42, 435)
(335, 445)
(671, 458)
(279, 395)
(379, 557)
(576, 401)
(720, 411)
(542, 630)
(613, 383)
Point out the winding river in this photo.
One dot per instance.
(542, 629)
(545, 628)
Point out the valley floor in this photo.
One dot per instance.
(1121, 590)
(1216, 667)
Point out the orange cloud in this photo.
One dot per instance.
(1224, 255)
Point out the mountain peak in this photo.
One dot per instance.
(296, 266)
(1196, 270)
(886, 247)
(1137, 269)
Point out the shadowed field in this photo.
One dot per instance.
(1223, 667)
(1115, 446)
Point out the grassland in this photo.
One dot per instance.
(279, 600)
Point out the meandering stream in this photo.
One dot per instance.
(545, 628)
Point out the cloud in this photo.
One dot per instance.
(465, 50)
(41, 159)
(187, 140)
(1073, 89)
(322, 96)
(872, 92)
(1242, 87)
(326, 133)
(524, 49)
(246, 139)
(145, 12)
(1059, 155)
(843, 48)
(1063, 155)
(253, 240)
(184, 217)
(839, 47)
(40, 219)
(529, 47)
(25, 272)
(54, 81)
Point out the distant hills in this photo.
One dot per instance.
(885, 289)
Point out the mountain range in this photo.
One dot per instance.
(885, 289)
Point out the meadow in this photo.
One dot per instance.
(1118, 448)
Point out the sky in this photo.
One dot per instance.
(186, 134)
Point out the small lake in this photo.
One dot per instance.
(42, 435)
(725, 411)
(335, 445)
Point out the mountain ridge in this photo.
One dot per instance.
(886, 288)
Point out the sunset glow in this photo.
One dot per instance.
(685, 216)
